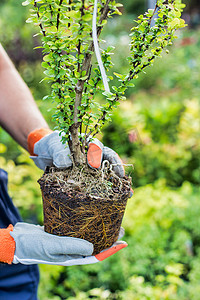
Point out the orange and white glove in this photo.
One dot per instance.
(46, 149)
(29, 244)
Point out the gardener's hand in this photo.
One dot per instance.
(87, 260)
(46, 149)
(29, 244)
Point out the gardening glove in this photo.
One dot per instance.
(87, 260)
(97, 153)
(46, 149)
(29, 244)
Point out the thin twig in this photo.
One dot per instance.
(58, 15)
(38, 15)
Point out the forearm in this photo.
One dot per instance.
(19, 114)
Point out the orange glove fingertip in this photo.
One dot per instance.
(7, 245)
(34, 136)
(105, 254)
(94, 156)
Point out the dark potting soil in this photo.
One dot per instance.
(84, 203)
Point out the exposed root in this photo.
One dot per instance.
(87, 180)
(85, 203)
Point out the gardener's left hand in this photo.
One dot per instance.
(86, 260)
(46, 149)
(30, 244)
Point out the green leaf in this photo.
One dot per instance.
(122, 77)
(174, 23)
(45, 97)
(115, 89)
(119, 5)
(27, 2)
(77, 74)
(52, 29)
(104, 22)
(45, 65)
(49, 73)
(50, 43)
(62, 72)
(107, 94)
(47, 58)
(29, 20)
(87, 17)
(84, 77)
(130, 84)
(150, 12)
(73, 14)
(39, 47)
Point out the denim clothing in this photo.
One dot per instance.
(17, 282)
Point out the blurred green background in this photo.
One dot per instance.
(156, 130)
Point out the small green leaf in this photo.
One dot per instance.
(150, 12)
(27, 2)
(77, 74)
(122, 77)
(87, 17)
(104, 22)
(29, 20)
(84, 77)
(49, 73)
(52, 29)
(47, 58)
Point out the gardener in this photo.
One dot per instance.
(24, 245)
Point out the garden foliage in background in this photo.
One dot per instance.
(157, 130)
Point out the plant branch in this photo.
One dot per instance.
(75, 145)
(58, 15)
(86, 66)
(104, 15)
(132, 73)
(38, 15)
(50, 7)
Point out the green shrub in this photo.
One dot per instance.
(161, 143)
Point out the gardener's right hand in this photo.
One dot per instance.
(46, 149)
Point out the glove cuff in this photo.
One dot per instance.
(7, 245)
(34, 136)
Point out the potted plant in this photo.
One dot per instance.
(80, 201)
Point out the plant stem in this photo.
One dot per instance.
(75, 145)
(58, 15)
(38, 15)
